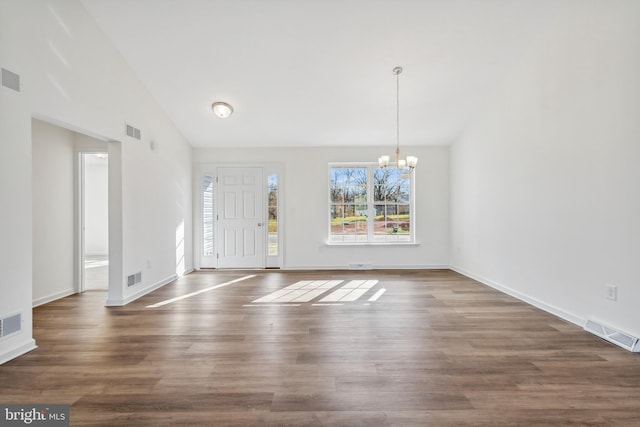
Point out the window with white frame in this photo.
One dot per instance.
(369, 204)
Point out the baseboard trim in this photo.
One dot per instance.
(18, 351)
(141, 292)
(53, 297)
(374, 267)
(569, 317)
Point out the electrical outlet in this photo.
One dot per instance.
(612, 292)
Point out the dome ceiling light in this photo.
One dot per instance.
(222, 109)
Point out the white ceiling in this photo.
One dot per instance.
(318, 72)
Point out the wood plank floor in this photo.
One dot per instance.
(436, 349)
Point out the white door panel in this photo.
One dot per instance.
(240, 218)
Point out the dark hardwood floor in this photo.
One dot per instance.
(436, 349)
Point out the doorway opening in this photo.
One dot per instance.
(94, 219)
(58, 156)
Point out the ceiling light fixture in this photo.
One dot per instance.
(222, 109)
(411, 161)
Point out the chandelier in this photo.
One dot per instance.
(411, 161)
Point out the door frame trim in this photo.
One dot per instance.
(212, 169)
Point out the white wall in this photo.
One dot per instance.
(545, 196)
(53, 212)
(72, 76)
(96, 207)
(15, 222)
(304, 210)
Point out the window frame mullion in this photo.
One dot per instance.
(371, 212)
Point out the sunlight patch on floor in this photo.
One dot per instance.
(309, 290)
(182, 297)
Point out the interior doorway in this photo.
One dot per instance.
(94, 219)
(58, 156)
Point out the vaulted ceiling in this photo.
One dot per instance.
(319, 72)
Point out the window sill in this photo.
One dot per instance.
(372, 244)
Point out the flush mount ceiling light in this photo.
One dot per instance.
(222, 109)
(411, 161)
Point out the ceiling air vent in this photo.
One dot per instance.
(133, 132)
(10, 80)
(624, 340)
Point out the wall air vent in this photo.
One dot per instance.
(624, 340)
(133, 132)
(10, 80)
(134, 278)
(360, 266)
(10, 325)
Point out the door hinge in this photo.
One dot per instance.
(217, 256)
(216, 179)
(217, 217)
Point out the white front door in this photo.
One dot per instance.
(240, 218)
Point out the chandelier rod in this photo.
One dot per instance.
(397, 71)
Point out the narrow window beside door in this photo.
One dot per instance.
(272, 188)
(207, 216)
